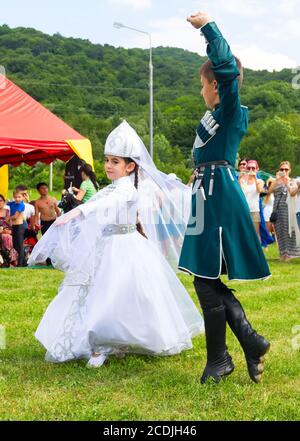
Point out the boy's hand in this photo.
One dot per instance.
(199, 19)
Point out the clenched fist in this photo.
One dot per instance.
(199, 19)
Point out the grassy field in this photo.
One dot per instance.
(147, 388)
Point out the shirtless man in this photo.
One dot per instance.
(47, 207)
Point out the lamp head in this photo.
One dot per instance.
(118, 25)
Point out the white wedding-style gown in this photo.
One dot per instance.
(119, 294)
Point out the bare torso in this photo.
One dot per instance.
(47, 207)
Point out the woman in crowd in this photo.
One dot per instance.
(89, 185)
(252, 188)
(268, 207)
(285, 190)
(6, 241)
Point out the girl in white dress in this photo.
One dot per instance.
(119, 294)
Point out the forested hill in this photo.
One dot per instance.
(93, 86)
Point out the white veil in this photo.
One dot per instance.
(164, 202)
(163, 210)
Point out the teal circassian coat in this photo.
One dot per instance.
(225, 236)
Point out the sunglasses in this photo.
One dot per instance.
(251, 168)
(284, 169)
(243, 163)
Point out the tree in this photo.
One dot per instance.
(270, 142)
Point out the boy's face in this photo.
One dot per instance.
(18, 197)
(209, 91)
(43, 190)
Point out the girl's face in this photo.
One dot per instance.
(116, 167)
(285, 169)
(2, 203)
(243, 166)
(252, 168)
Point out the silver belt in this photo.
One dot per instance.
(119, 229)
(199, 175)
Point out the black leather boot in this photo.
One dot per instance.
(254, 345)
(219, 362)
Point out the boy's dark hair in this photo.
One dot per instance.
(21, 187)
(208, 73)
(41, 184)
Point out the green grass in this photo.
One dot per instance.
(148, 388)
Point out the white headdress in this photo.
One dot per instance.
(164, 202)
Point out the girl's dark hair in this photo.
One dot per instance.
(242, 160)
(2, 197)
(88, 170)
(136, 184)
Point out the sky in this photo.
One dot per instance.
(265, 34)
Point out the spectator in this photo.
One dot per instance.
(4, 214)
(29, 213)
(45, 207)
(283, 188)
(89, 185)
(17, 208)
(268, 207)
(298, 203)
(242, 165)
(252, 188)
(8, 253)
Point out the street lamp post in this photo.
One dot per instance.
(119, 26)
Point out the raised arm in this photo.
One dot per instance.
(224, 64)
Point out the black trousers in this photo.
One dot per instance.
(18, 239)
(208, 292)
(45, 225)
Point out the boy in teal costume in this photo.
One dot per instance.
(228, 241)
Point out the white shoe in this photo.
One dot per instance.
(97, 361)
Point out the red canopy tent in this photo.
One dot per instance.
(30, 133)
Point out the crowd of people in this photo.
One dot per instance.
(274, 206)
(21, 219)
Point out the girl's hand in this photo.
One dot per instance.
(285, 180)
(279, 177)
(199, 19)
(67, 217)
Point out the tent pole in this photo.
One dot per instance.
(51, 177)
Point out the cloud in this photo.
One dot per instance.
(246, 8)
(176, 32)
(289, 7)
(256, 58)
(173, 32)
(136, 4)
